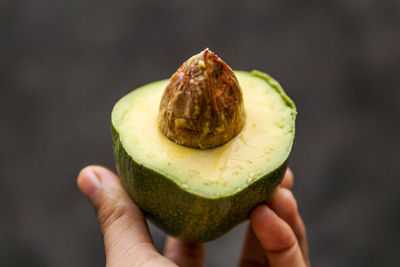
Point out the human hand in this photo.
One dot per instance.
(276, 234)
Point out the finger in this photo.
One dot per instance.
(284, 205)
(252, 252)
(276, 237)
(288, 180)
(185, 253)
(126, 236)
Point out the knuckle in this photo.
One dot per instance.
(111, 214)
(285, 247)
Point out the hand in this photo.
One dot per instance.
(276, 234)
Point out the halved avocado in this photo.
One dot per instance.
(194, 194)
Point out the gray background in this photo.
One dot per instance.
(63, 64)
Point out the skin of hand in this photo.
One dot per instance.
(276, 234)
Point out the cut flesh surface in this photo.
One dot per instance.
(261, 147)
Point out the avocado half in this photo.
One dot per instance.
(199, 195)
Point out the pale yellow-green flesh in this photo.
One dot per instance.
(262, 145)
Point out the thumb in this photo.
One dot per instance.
(126, 235)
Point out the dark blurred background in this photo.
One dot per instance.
(63, 64)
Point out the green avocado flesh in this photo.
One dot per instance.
(198, 195)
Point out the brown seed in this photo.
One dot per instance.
(202, 105)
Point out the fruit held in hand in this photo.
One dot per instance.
(190, 192)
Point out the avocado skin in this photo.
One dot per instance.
(183, 214)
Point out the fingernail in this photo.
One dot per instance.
(91, 184)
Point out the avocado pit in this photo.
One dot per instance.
(202, 105)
